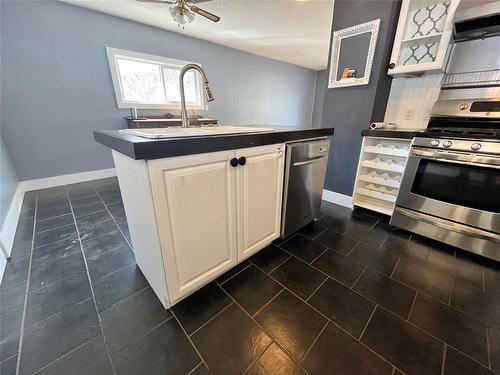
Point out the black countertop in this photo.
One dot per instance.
(390, 133)
(144, 148)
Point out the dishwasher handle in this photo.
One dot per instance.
(309, 161)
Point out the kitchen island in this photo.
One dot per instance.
(197, 206)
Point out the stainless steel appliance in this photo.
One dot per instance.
(305, 169)
(451, 186)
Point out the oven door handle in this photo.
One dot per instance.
(458, 157)
(454, 227)
(443, 155)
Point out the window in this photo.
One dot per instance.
(147, 81)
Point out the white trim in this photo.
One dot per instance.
(337, 198)
(3, 264)
(73, 178)
(164, 62)
(10, 224)
(8, 231)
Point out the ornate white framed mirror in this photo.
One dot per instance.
(352, 54)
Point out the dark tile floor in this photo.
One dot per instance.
(347, 295)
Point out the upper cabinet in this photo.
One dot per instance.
(423, 37)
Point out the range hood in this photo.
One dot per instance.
(478, 22)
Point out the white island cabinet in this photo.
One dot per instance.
(193, 217)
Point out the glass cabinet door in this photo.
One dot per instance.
(423, 36)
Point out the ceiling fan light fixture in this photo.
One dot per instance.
(181, 15)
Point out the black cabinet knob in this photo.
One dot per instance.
(392, 66)
(233, 162)
(242, 160)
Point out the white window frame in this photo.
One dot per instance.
(114, 53)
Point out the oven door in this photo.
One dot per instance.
(457, 186)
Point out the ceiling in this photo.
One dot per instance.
(293, 31)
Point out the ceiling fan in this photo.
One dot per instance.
(183, 11)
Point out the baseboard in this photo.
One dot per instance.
(337, 198)
(73, 178)
(10, 224)
(8, 230)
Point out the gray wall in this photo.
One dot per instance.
(319, 97)
(56, 85)
(8, 183)
(351, 109)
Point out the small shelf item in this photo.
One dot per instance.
(423, 36)
(380, 171)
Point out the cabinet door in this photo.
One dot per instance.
(260, 190)
(423, 36)
(196, 212)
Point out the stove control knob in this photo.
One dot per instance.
(475, 146)
(434, 143)
(447, 144)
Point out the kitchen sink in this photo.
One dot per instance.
(180, 132)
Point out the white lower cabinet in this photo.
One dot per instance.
(211, 215)
(259, 194)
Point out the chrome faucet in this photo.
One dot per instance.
(208, 93)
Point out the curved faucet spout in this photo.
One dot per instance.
(208, 93)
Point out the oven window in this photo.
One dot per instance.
(463, 185)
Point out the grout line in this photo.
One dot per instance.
(259, 356)
(354, 248)
(367, 322)
(112, 217)
(233, 276)
(359, 277)
(8, 359)
(435, 337)
(123, 299)
(325, 317)
(209, 320)
(91, 287)
(65, 354)
(147, 332)
(395, 266)
(320, 233)
(314, 341)
(279, 265)
(488, 346)
(266, 304)
(411, 307)
(23, 319)
(264, 330)
(189, 338)
(444, 358)
(451, 291)
(315, 259)
(58, 312)
(315, 290)
(195, 368)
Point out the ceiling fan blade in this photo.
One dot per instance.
(204, 13)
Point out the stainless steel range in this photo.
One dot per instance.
(451, 186)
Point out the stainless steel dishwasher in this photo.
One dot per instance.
(305, 169)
